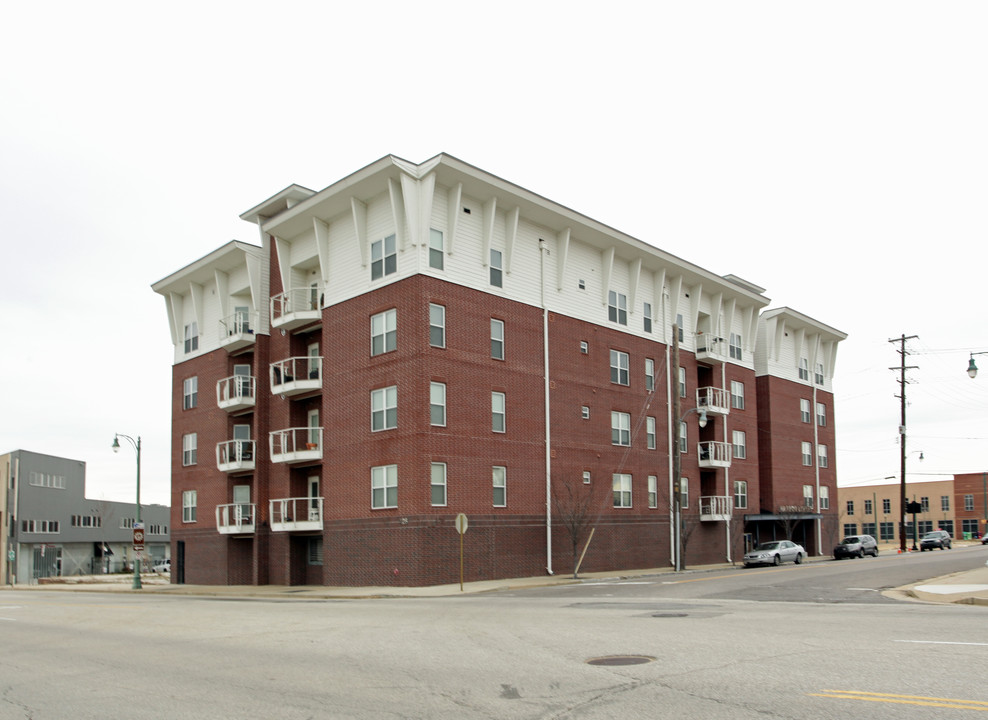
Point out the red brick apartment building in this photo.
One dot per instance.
(418, 341)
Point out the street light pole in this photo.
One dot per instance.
(137, 447)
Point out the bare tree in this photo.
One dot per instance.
(790, 516)
(688, 523)
(574, 510)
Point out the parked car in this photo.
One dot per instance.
(935, 539)
(856, 546)
(984, 539)
(162, 566)
(775, 552)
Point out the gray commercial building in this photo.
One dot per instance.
(49, 528)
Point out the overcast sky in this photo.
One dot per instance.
(834, 153)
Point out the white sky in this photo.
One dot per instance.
(834, 153)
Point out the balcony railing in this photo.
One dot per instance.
(296, 514)
(711, 348)
(296, 445)
(237, 330)
(714, 508)
(296, 375)
(716, 401)
(236, 393)
(715, 454)
(236, 518)
(235, 455)
(294, 308)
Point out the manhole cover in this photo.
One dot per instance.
(621, 660)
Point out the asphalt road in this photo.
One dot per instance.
(790, 642)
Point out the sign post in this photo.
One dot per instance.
(461, 528)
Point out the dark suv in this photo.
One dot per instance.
(935, 539)
(856, 546)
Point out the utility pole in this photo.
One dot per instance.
(902, 367)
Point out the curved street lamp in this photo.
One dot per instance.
(137, 446)
(972, 369)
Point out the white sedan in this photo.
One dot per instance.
(775, 552)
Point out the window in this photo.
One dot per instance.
(189, 449)
(384, 408)
(653, 491)
(969, 525)
(821, 415)
(585, 412)
(679, 324)
(683, 445)
(808, 454)
(438, 484)
(497, 412)
(969, 502)
(189, 506)
(620, 428)
(824, 497)
(584, 347)
(886, 531)
(384, 257)
(190, 393)
(647, 317)
(617, 307)
(945, 503)
(39, 479)
(496, 268)
(808, 496)
(822, 457)
(819, 374)
(435, 249)
(682, 382)
(40, 526)
(650, 432)
(437, 404)
(886, 506)
(869, 510)
(804, 410)
(850, 507)
(924, 503)
(497, 339)
(924, 526)
(437, 325)
(649, 374)
(684, 492)
(384, 332)
(740, 445)
(868, 528)
(314, 554)
(804, 369)
(737, 395)
(620, 372)
(741, 494)
(947, 525)
(384, 487)
(622, 490)
(586, 477)
(500, 484)
(735, 345)
(850, 529)
(191, 337)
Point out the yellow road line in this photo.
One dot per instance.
(920, 700)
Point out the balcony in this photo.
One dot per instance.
(296, 514)
(235, 456)
(715, 454)
(236, 393)
(296, 445)
(716, 401)
(711, 348)
(236, 519)
(296, 375)
(237, 330)
(295, 308)
(716, 508)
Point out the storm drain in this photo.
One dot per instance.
(621, 660)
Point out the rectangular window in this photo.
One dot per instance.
(824, 497)
(869, 510)
(924, 503)
(437, 325)
(969, 525)
(804, 369)
(653, 491)
(191, 337)
(437, 404)
(314, 554)
(585, 412)
(808, 496)
(807, 454)
(821, 415)
(189, 501)
(850, 529)
(586, 477)
(969, 502)
(620, 367)
(497, 339)
(735, 346)
(384, 332)
(924, 526)
(435, 249)
(740, 446)
(384, 408)
(584, 347)
(819, 374)
(438, 484)
(822, 457)
(850, 507)
(741, 494)
(622, 490)
(886, 531)
(620, 428)
(499, 478)
(886, 506)
(498, 412)
(868, 528)
(649, 374)
(384, 257)
(647, 317)
(737, 395)
(945, 503)
(617, 307)
(683, 444)
(189, 443)
(682, 382)
(190, 393)
(650, 432)
(804, 410)
(384, 487)
(497, 269)
(684, 492)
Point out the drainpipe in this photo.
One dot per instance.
(543, 250)
(816, 467)
(727, 471)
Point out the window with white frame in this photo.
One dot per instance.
(436, 249)
(824, 497)
(649, 374)
(497, 339)
(617, 307)
(585, 412)
(804, 369)
(924, 503)
(819, 374)
(437, 325)
(868, 510)
(384, 257)
(498, 420)
(850, 507)
(189, 443)
(741, 494)
(804, 410)
(653, 491)
(191, 337)
(384, 408)
(437, 403)
(499, 479)
(584, 347)
(189, 500)
(740, 446)
(737, 395)
(682, 382)
(735, 346)
(822, 458)
(384, 487)
(808, 496)
(969, 502)
(647, 317)
(497, 268)
(887, 506)
(650, 432)
(684, 492)
(384, 332)
(683, 444)
(620, 428)
(807, 454)
(190, 393)
(586, 477)
(620, 367)
(945, 503)
(437, 484)
(622, 490)
(821, 415)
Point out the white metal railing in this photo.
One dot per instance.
(296, 374)
(289, 514)
(236, 518)
(236, 390)
(293, 444)
(239, 323)
(711, 347)
(295, 304)
(714, 399)
(715, 454)
(716, 507)
(235, 454)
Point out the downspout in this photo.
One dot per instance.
(545, 374)
(727, 471)
(816, 471)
